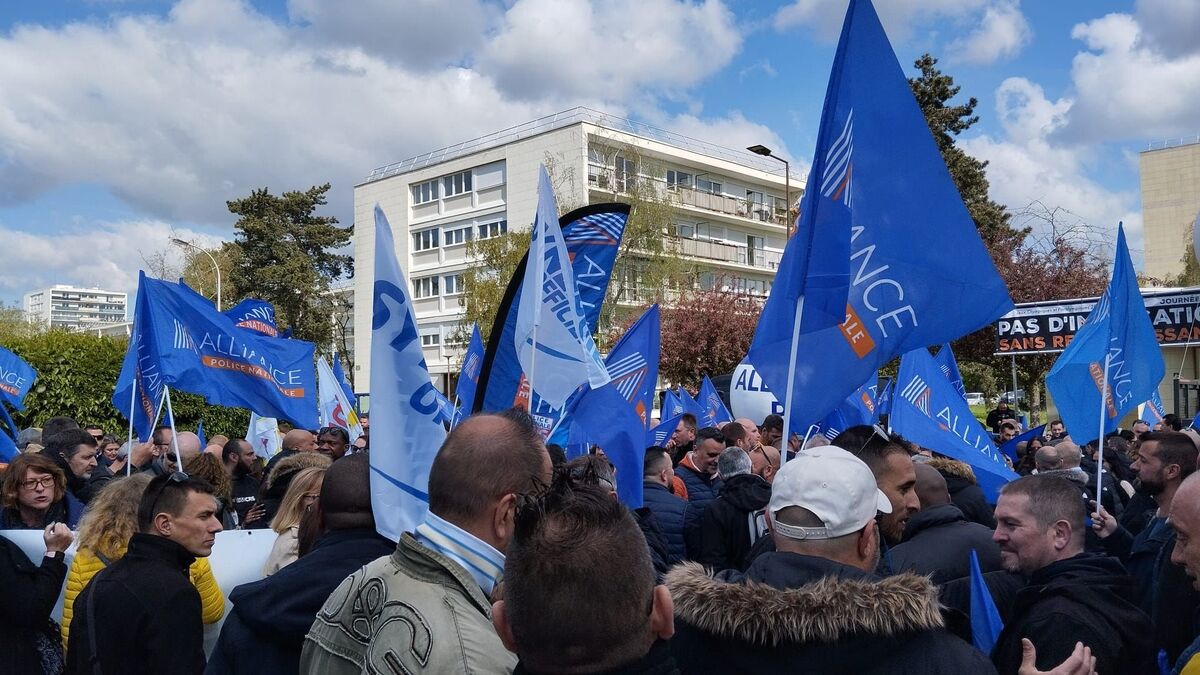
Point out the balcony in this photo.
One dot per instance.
(603, 177)
(727, 253)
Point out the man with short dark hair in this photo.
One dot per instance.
(141, 614)
(1008, 431)
(95, 431)
(669, 510)
(737, 517)
(238, 457)
(426, 607)
(683, 439)
(815, 605)
(771, 430)
(1139, 428)
(1071, 596)
(332, 442)
(264, 632)
(892, 467)
(55, 426)
(997, 415)
(736, 437)
(698, 472)
(74, 451)
(1057, 430)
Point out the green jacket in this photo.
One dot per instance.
(414, 611)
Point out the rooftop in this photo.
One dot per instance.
(567, 118)
(1172, 143)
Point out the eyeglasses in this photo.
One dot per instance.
(34, 483)
(177, 477)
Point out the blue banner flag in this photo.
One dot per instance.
(340, 375)
(883, 400)
(919, 274)
(8, 436)
(200, 434)
(141, 384)
(254, 315)
(612, 423)
(552, 329)
(929, 412)
(1010, 448)
(1117, 342)
(633, 363)
(714, 407)
(985, 618)
(671, 405)
(856, 410)
(16, 378)
(468, 376)
(691, 405)
(949, 366)
(201, 351)
(1155, 412)
(660, 434)
(407, 428)
(593, 236)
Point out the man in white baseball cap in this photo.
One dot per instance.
(814, 604)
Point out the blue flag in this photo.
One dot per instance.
(577, 441)
(200, 350)
(883, 400)
(141, 384)
(1118, 335)
(255, 315)
(929, 412)
(633, 363)
(200, 434)
(468, 376)
(949, 366)
(691, 405)
(985, 618)
(714, 407)
(1155, 412)
(660, 434)
(8, 435)
(16, 378)
(612, 423)
(671, 405)
(1010, 448)
(593, 236)
(919, 273)
(407, 427)
(857, 409)
(340, 375)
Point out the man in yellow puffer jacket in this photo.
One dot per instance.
(104, 533)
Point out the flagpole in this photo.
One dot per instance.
(1100, 438)
(808, 435)
(132, 408)
(174, 434)
(791, 382)
(537, 291)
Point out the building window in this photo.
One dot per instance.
(425, 240)
(712, 187)
(626, 174)
(425, 287)
(685, 230)
(452, 284)
(431, 340)
(678, 179)
(459, 235)
(456, 183)
(423, 193)
(494, 229)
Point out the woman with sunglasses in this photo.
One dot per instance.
(34, 494)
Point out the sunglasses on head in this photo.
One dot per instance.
(876, 431)
(176, 478)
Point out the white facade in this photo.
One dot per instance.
(729, 209)
(62, 306)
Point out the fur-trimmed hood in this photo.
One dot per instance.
(828, 608)
(953, 467)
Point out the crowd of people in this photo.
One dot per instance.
(749, 554)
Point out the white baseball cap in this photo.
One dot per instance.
(834, 485)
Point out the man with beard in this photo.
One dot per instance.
(238, 456)
(889, 461)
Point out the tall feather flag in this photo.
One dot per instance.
(468, 375)
(335, 409)
(551, 330)
(714, 407)
(1115, 353)
(407, 427)
(886, 255)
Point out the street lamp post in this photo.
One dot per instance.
(216, 267)
(787, 183)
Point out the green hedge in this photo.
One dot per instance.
(77, 374)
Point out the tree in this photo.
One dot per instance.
(289, 258)
(484, 283)
(14, 323)
(706, 332)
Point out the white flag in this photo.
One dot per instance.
(407, 421)
(552, 339)
(263, 434)
(333, 407)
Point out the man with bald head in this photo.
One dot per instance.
(1185, 519)
(751, 431)
(294, 441)
(1046, 458)
(427, 608)
(189, 447)
(938, 539)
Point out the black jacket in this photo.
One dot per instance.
(1140, 555)
(656, 541)
(264, 632)
(1174, 604)
(702, 490)
(27, 596)
(968, 497)
(144, 613)
(733, 522)
(938, 541)
(669, 510)
(1087, 598)
(243, 490)
(792, 613)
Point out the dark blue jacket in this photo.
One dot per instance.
(702, 490)
(670, 512)
(264, 632)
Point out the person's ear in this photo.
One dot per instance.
(662, 613)
(500, 623)
(162, 524)
(504, 517)
(868, 541)
(1062, 534)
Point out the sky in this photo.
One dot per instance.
(126, 123)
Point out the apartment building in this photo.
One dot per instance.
(72, 308)
(729, 211)
(1170, 186)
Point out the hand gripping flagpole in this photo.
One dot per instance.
(791, 382)
(1100, 438)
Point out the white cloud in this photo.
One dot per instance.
(900, 18)
(107, 255)
(1002, 34)
(1170, 27)
(612, 48)
(1126, 88)
(737, 132)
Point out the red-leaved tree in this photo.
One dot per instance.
(706, 332)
